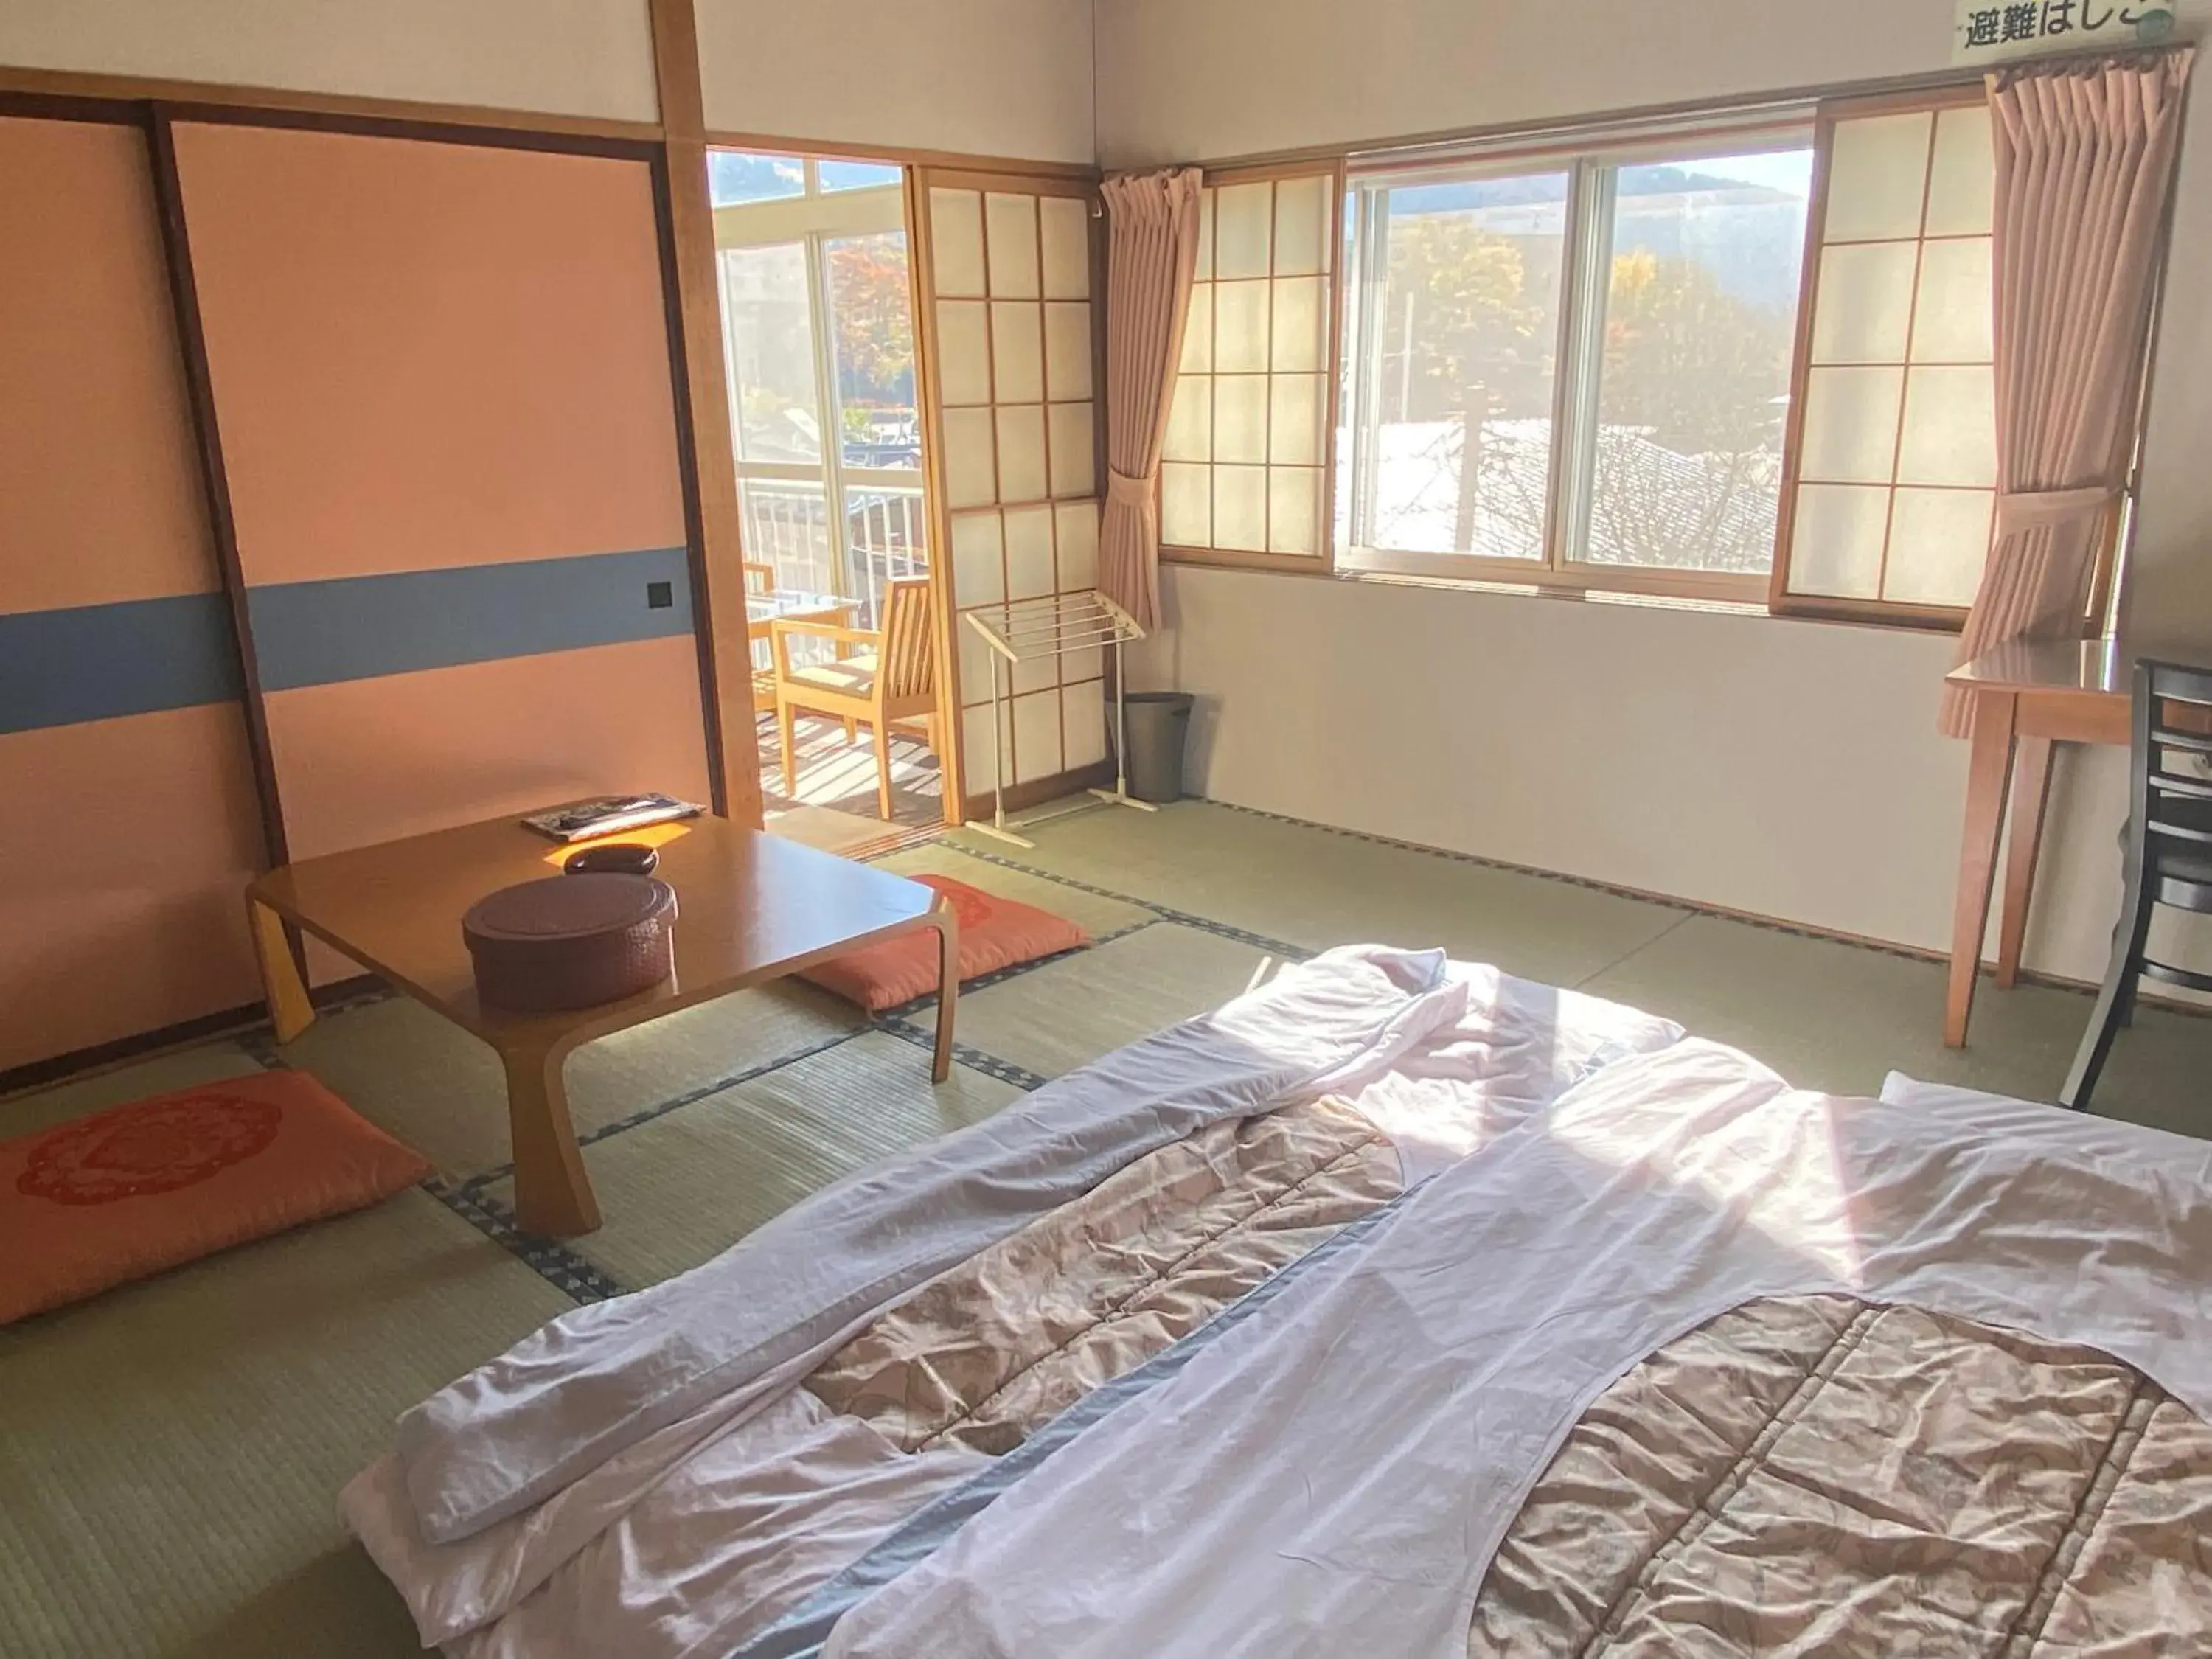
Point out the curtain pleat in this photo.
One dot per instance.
(2085, 155)
(1151, 253)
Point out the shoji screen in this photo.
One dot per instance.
(127, 812)
(1244, 466)
(1008, 291)
(442, 378)
(1896, 480)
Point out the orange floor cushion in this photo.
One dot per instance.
(994, 933)
(127, 1192)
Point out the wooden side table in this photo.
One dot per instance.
(751, 908)
(2026, 698)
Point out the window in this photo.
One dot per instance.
(854, 175)
(1244, 465)
(1572, 367)
(1746, 356)
(733, 177)
(1453, 406)
(818, 323)
(1895, 474)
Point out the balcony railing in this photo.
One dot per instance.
(786, 524)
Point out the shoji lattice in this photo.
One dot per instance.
(1896, 468)
(1247, 451)
(1010, 276)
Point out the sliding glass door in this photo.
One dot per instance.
(818, 322)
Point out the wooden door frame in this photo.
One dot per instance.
(922, 288)
(705, 447)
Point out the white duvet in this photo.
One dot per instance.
(644, 1477)
(1334, 1479)
(1331, 1476)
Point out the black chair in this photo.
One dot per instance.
(2168, 850)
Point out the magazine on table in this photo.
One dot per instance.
(605, 815)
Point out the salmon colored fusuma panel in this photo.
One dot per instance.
(128, 821)
(129, 845)
(99, 498)
(430, 355)
(409, 753)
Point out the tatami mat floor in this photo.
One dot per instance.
(172, 1451)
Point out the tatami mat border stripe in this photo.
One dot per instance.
(690, 1096)
(974, 1059)
(555, 1262)
(260, 1040)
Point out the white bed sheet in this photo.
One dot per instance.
(1336, 1478)
(681, 1537)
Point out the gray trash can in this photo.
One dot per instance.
(1157, 722)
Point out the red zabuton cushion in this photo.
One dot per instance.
(127, 1192)
(994, 933)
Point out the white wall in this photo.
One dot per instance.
(1205, 80)
(1788, 768)
(569, 56)
(984, 77)
(1784, 769)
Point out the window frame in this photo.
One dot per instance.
(809, 221)
(1322, 562)
(1591, 158)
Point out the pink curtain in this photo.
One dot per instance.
(2085, 153)
(1151, 250)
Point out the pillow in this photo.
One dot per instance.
(994, 933)
(124, 1193)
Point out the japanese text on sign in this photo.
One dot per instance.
(1985, 31)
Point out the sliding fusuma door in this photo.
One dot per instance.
(128, 821)
(441, 379)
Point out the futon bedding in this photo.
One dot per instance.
(1819, 1475)
(1959, 1470)
(996, 1348)
(1798, 1473)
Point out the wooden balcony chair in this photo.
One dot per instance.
(889, 679)
(760, 581)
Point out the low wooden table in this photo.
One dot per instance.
(2026, 698)
(749, 907)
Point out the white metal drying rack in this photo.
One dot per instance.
(1034, 631)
